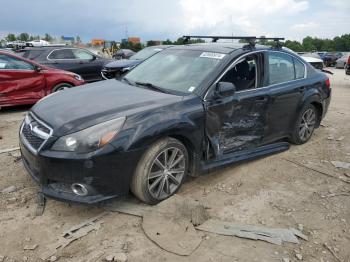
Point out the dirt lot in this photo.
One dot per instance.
(270, 191)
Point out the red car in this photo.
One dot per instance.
(23, 81)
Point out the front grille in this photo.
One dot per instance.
(32, 139)
(34, 132)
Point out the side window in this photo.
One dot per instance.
(299, 69)
(281, 68)
(244, 74)
(12, 63)
(32, 54)
(82, 54)
(62, 54)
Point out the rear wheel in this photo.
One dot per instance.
(161, 171)
(305, 125)
(61, 87)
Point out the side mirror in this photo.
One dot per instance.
(37, 68)
(224, 89)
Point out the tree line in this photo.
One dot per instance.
(138, 46)
(27, 37)
(308, 44)
(315, 44)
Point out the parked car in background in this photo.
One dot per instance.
(117, 69)
(314, 59)
(25, 82)
(330, 58)
(37, 43)
(347, 66)
(185, 111)
(341, 62)
(73, 59)
(123, 54)
(16, 44)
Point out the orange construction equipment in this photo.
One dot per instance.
(97, 42)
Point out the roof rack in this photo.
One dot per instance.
(250, 39)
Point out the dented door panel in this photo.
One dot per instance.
(237, 123)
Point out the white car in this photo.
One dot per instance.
(38, 43)
(315, 62)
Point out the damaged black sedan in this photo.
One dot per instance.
(183, 112)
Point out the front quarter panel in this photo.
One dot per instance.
(183, 119)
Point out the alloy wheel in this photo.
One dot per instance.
(166, 173)
(307, 124)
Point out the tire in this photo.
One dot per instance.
(306, 121)
(61, 87)
(153, 180)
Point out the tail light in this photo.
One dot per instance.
(328, 83)
(349, 60)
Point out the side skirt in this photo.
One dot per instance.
(244, 155)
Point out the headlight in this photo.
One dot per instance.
(78, 77)
(90, 139)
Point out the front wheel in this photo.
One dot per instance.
(161, 171)
(305, 125)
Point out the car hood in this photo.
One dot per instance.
(74, 109)
(122, 63)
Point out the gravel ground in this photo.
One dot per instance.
(271, 191)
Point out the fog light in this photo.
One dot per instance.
(79, 189)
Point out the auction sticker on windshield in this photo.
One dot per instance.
(212, 55)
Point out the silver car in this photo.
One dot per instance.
(341, 62)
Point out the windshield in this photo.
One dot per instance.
(176, 70)
(145, 53)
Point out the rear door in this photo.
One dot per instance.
(20, 82)
(286, 81)
(64, 59)
(238, 123)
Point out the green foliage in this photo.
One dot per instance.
(294, 45)
(167, 42)
(10, 38)
(47, 37)
(23, 37)
(151, 43)
(132, 46)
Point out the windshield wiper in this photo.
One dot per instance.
(151, 86)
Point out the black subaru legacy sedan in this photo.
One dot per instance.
(183, 112)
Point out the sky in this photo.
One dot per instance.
(163, 19)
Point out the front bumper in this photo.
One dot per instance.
(107, 174)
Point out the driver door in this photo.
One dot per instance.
(237, 122)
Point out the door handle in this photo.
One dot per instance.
(302, 89)
(261, 99)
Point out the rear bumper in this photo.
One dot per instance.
(107, 175)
